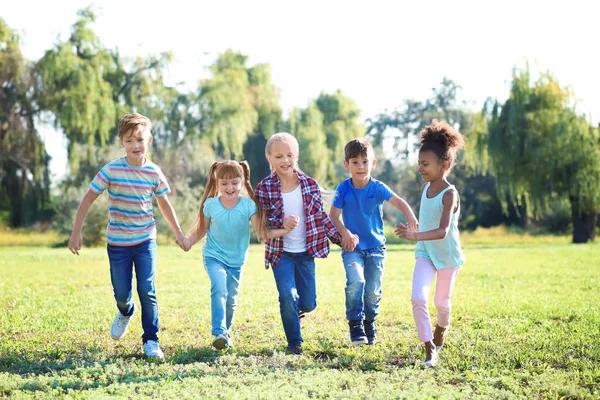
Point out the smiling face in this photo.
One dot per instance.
(283, 157)
(230, 189)
(430, 166)
(136, 144)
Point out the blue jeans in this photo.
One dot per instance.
(224, 285)
(122, 261)
(364, 276)
(297, 287)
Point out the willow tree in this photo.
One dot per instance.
(24, 173)
(340, 123)
(227, 113)
(307, 126)
(265, 98)
(540, 147)
(73, 88)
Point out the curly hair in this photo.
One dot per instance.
(443, 140)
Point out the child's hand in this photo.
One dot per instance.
(290, 223)
(75, 242)
(182, 241)
(355, 241)
(349, 241)
(405, 232)
(412, 223)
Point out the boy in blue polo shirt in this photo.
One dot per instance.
(359, 199)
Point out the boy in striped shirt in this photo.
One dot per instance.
(131, 232)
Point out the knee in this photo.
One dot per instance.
(355, 286)
(288, 300)
(442, 304)
(419, 301)
(146, 290)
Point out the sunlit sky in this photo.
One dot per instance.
(376, 52)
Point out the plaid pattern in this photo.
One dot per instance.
(318, 225)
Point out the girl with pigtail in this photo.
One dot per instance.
(438, 250)
(223, 218)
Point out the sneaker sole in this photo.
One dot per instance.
(359, 343)
(220, 344)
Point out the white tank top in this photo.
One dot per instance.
(294, 241)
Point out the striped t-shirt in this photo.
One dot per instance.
(130, 217)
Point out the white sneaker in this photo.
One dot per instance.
(152, 349)
(120, 325)
(220, 342)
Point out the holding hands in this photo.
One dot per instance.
(349, 241)
(405, 231)
(290, 223)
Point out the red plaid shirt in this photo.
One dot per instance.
(318, 225)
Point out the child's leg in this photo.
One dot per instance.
(373, 281)
(423, 275)
(306, 283)
(217, 273)
(121, 276)
(354, 264)
(446, 277)
(233, 285)
(144, 260)
(288, 299)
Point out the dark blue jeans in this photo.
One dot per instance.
(297, 287)
(122, 261)
(364, 276)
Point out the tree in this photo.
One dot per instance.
(340, 123)
(73, 88)
(307, 126)
(24, 173)
(540, 147)
(227, 112)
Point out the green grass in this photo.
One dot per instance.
(526, 324)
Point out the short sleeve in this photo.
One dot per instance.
(162, 187)
(250, 208)
(208, 207)
(101, 181)
(384, 193)
(338, 196)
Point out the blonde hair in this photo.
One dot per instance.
(135, 123)
(230, 169)
(283, 137)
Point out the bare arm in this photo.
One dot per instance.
(196, 236)
(450, 202)
(347, 236)
(401, 205)
(169, 214)
(84, 207)
(272, 233)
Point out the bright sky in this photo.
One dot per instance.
(377, 52)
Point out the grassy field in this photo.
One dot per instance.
(526, 324)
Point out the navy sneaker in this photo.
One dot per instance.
(295, 350)
(357, 333)
(370, 331)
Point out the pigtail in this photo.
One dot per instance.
(260, 212)
(211, 190)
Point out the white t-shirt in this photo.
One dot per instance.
(294, 241)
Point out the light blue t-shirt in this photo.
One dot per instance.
(228, 236)
(446, 252)
(362, 211)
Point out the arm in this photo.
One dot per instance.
(449, 202)
(273, 233)
(196, 236)
(84, 207)
(263, 199)
(402, 206)
(347, 236)
(169, 214)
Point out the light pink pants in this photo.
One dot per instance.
(422, 279)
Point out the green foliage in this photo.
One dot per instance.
(73, 88)
(24, 172)
(307, 126)
(541, 148)
(527, 337)
(226, 104)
